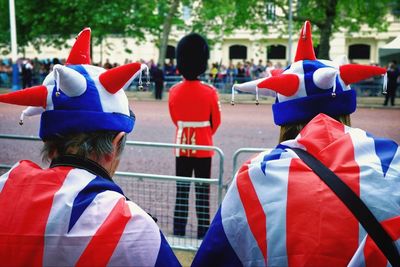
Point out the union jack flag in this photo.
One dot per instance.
(278, 212)
(65, 216)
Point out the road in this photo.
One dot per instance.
(243, 125)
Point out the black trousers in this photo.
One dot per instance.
(390, 94)
(159, 88)
(202, 168)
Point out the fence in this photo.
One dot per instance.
(371, 87)
(235, 160)
(156, 193)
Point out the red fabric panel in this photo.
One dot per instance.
(34, 96)
(25, 201)
(254, 211)
(104, 242)
(321, 231)
(372, 254)
(80, 51)
(305, 48)
(115, 79)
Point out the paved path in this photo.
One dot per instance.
(243, 125)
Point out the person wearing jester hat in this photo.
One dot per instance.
(72, 213)
(195, 110)
(278, 211)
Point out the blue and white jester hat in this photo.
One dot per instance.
(311, 86)
(80, 97)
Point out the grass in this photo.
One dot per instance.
(185, 257)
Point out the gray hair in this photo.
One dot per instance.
(95, 144)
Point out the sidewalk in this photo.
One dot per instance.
(364, 102)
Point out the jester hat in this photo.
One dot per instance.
(310, 86)
(79, 97)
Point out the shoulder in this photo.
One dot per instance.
(208, 87)
(177, 86)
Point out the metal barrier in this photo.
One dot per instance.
(156, 193)
(235, 157)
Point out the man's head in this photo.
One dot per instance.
(79, 99)
(310, 86)
(103, 147)
(192, 54)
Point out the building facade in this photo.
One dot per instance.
(361, 47)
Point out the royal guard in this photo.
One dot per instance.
(195, 110)
(327, 195)
(73, 213)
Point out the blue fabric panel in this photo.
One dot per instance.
(89, 100)
(310, 66)
(215, 249)
(166, 256)
(386, 150)
(62, 122)
(86, 196)
(306, 108)
(273, 155)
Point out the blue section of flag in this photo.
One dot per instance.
(273, 155)
(86, 196)
(165, 256)
(215, 249)
(385, 149)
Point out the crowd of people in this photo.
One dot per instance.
(244, 70)
(326, 195)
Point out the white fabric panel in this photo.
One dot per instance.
(56, 234)
(140, 243)
(4, 177)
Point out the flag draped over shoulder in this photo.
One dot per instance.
(277, 212)
(65, 216)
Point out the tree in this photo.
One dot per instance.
(333, 15)
(53, 22)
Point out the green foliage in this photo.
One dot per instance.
(52, 22)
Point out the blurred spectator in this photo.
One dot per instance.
(107, 65)
(170, 68)
(392, 82)
(26, 71)
(214, 73)
(157, 76)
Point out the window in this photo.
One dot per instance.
(237, 52)
(276, 52)
(170, 52)
(359, 51)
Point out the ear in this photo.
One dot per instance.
(115, 144)
(117, 140)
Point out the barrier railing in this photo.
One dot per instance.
(155, 193)
(235, 161)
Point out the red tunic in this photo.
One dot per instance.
(196, 112)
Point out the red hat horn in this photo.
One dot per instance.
(352, 73)
(284, 84)
(305, 49)
(80, 52)
(33, 96)
(120, 77)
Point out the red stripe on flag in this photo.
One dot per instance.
(104, 242)
(321, 231)
(26, 201)
(372, 254)
(254, 211)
